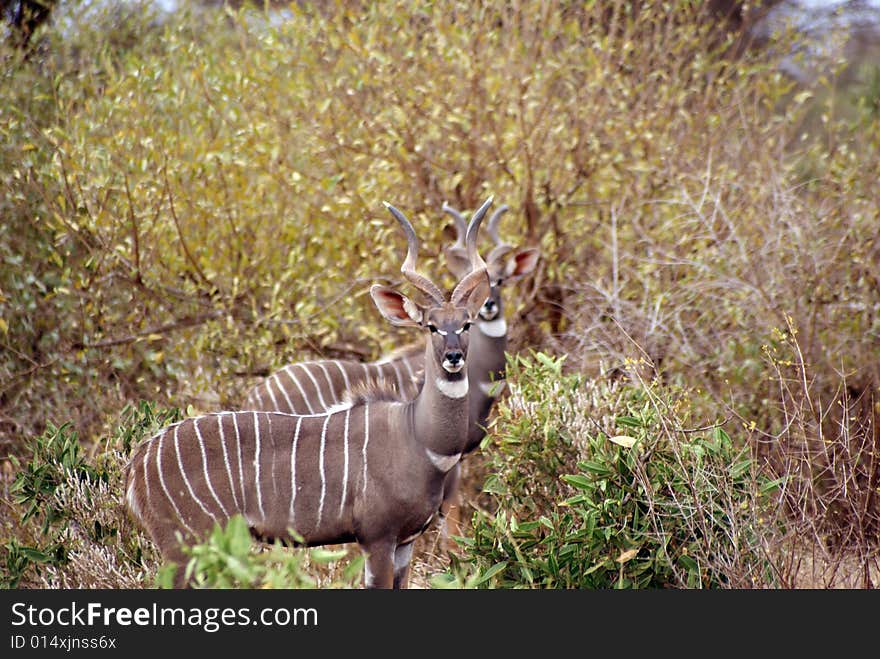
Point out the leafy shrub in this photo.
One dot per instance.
(602, 484)
(74, 531)
(227, 559)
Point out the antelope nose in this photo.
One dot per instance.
(454, 357)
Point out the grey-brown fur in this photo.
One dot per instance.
(371, 472)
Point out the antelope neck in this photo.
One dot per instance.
(495, 329)
(439, 414)
(486, 354)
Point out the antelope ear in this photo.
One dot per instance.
(396, 307)
(521, 262)
(457, 261)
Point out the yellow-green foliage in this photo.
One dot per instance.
(213, 191)
(193, 199)
(603, 484)
(229, 559)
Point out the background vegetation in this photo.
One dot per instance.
(191, 200)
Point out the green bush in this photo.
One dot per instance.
(72, 527)
(228, 559)
(603, 484)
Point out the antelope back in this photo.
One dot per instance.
(302, 473)
(315, 386)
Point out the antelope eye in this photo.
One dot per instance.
(497, 282)
(466, 326)
(432, 328)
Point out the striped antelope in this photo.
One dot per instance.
(370, 470)
(506, 264)
(307, 387)
(314, 386)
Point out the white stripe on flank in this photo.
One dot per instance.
(452, 388)
(366, 441)
(129, 497)
(240, 467)
(293, 470)
(344, 375)
(344, 463)
(302, 391)
(269, 389)
(271, 437)
(493, 328)
(146, 479)
(283, 390)
(255, 395)
(226, 462)
(259, 483)
(329, 380)
(321, 471)
(412, 376)
(186, 478)
(164, 487)
(205, 467)
(366, 370)
(400, 388)
(308, 371)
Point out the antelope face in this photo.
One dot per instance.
(448, 323)
(447, 319)
(449, 327)
(493, 307)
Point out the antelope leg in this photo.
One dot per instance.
(402, 559)
(379, 566)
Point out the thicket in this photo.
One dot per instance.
(192, 200)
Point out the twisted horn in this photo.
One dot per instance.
(478, 265)
(409, 265)
(460, 226)
(501, 247)
(492, 224)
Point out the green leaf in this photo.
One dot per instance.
(491, 572)
(578, 481)
(321, 555)
(629, 421)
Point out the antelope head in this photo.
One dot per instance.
(504, 263)
(447, 320)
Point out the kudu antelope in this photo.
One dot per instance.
(370, 470)
(506, 264)
(314, 386)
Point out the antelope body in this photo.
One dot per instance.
(370, 470)
(317, 385)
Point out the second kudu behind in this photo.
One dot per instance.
(370, 470)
